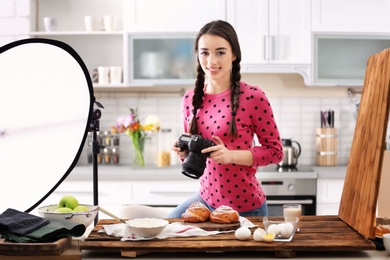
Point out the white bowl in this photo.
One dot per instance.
(147, 227)
(386, 242)
(85, 218)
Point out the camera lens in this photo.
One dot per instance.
(194, 165)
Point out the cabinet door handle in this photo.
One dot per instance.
(269, 42)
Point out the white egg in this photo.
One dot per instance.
(243, 233)
(286, 230)
(259, 234)
(273, 229)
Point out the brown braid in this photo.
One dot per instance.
(226, 31)
(235, 97)
(197, 99)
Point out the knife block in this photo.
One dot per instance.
(326, 141)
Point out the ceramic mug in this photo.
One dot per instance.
(110, 23)
(104, 75)
(90, 23)
(50, 23)
(115, 74)
(386, 242)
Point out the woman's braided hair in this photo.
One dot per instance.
(226, 31)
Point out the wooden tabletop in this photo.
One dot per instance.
(317, 233)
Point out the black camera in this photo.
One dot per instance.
(194, 164)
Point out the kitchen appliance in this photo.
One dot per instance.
(283, 186)
(291, 153)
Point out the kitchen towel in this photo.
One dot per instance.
(51, 232)
(175, 229)
(20, 223)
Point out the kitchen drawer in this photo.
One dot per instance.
(167, 193)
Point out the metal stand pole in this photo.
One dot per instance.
(94, 128)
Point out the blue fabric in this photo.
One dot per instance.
(180, 209)
(20, 223)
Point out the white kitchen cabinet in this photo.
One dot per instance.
(272, 31)
(171, 15)
(96, 48)
(359, 16)
(329, 193)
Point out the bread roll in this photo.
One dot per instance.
(224, 215)
(196, 213)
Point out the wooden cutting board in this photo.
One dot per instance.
(210, 226)
(34, 249)
(361, 186)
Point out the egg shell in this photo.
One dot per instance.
(243, 233)
(258, 234)
(286, 230)
(274, 229)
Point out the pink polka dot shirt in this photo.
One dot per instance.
(231, 184)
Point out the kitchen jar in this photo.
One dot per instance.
(164, 147)
(107, 155)
(107, 138)
(115, 155)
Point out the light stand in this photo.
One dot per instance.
(94, 128)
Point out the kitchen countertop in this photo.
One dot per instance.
(127, 172)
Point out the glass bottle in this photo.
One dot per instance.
(115, 155)
(164, 147)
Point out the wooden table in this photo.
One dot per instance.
(317, 233)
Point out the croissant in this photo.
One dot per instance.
(224, 215)
(196, 213)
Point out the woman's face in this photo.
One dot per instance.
(215, 57)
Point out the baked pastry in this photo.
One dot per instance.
(382, 229)
(224, 215)
(197, 212)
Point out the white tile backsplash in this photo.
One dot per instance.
(297, 119)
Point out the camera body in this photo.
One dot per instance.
(194, 164)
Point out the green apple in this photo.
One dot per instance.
(80, 208)
(68, 202)
(63, 210)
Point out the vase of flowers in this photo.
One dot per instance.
(139, 133)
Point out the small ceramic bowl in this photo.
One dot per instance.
(386, 242)
(147, 227)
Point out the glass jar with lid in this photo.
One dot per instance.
(165, 142)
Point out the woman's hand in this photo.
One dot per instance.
(219, 153)
(181, 154)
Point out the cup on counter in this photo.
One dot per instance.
(90, 23)
(291, 212)
(110, 23)
(115, 74)
(50, 24)
(386, 242)
(103, 75)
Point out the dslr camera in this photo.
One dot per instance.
(194, 164)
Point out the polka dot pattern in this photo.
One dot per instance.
(231, 184)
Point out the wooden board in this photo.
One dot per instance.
(53, 248)
(317, 233)
(210, 226)
(361, 186)
(72, 253)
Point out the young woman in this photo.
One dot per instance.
(229, 112)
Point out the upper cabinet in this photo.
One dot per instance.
(272, 32)
(351, 16)
(171, 15)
